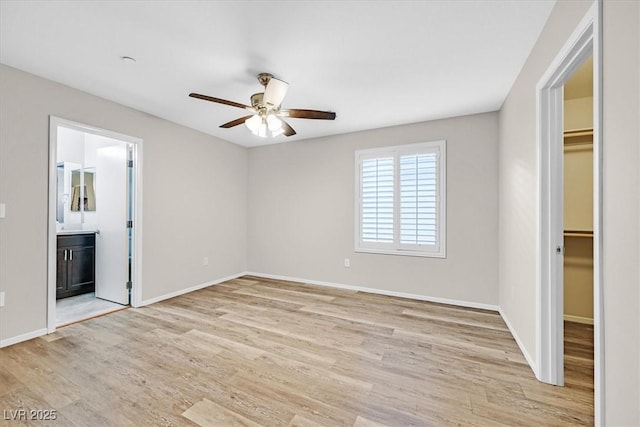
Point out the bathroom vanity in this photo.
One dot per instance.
(76, 263)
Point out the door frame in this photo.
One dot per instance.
(585, 40)
(136, 264)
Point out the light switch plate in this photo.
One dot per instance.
(1, 299)
(3, 210)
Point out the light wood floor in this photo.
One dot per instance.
(259, 352)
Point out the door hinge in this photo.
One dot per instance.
(129, 224)
(130, 163)
(129, 285)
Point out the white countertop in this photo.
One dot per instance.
(63, 232)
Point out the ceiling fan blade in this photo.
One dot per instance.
(288, 130)
(308, 114)
(274, 92)
(236, 122)
(221, 101)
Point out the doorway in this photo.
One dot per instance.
(585, 41)
(94, 217)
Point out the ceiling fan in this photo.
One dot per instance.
(266, 116)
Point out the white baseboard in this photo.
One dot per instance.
(419, 297)
(525, 353)
(190, 289)
(24, 337)
(578, 319)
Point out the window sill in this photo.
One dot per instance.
(402, 252)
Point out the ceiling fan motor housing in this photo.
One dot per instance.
(256, 100)
(264, 78)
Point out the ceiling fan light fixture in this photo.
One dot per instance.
(253, 123)
(274, 123)
(262, 130)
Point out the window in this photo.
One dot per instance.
(400, 203)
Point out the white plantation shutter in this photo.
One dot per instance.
(400, 203)
(419, 199)
(377, 200)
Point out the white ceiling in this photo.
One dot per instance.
(375, 63)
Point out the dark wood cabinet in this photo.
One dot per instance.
(76, 265)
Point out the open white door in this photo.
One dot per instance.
(112, 243)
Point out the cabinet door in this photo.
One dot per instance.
(75, 271)
(81, 268)
(61, 270)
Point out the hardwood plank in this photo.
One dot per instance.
(300, 421)
(286, 295)
(81, 413)
(8, 380)
(207, 413)
(458, 320)
(363, 422)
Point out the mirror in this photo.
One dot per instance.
(83, 192)
(60, 193)
(76, 194)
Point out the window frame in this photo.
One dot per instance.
(396, 247)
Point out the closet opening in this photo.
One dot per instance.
(578, 277)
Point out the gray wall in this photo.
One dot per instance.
(621, 127)
(518, 177)
(194, 201)
(301, 212)
(517, 194)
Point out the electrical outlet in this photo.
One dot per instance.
(205, 260)
(1, 299)
(347, 262)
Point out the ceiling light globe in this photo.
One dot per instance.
(253, 123)
(262, 130)
(274, 123)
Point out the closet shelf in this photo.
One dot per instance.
(578, 137)
(578, 233)
(578, 132)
